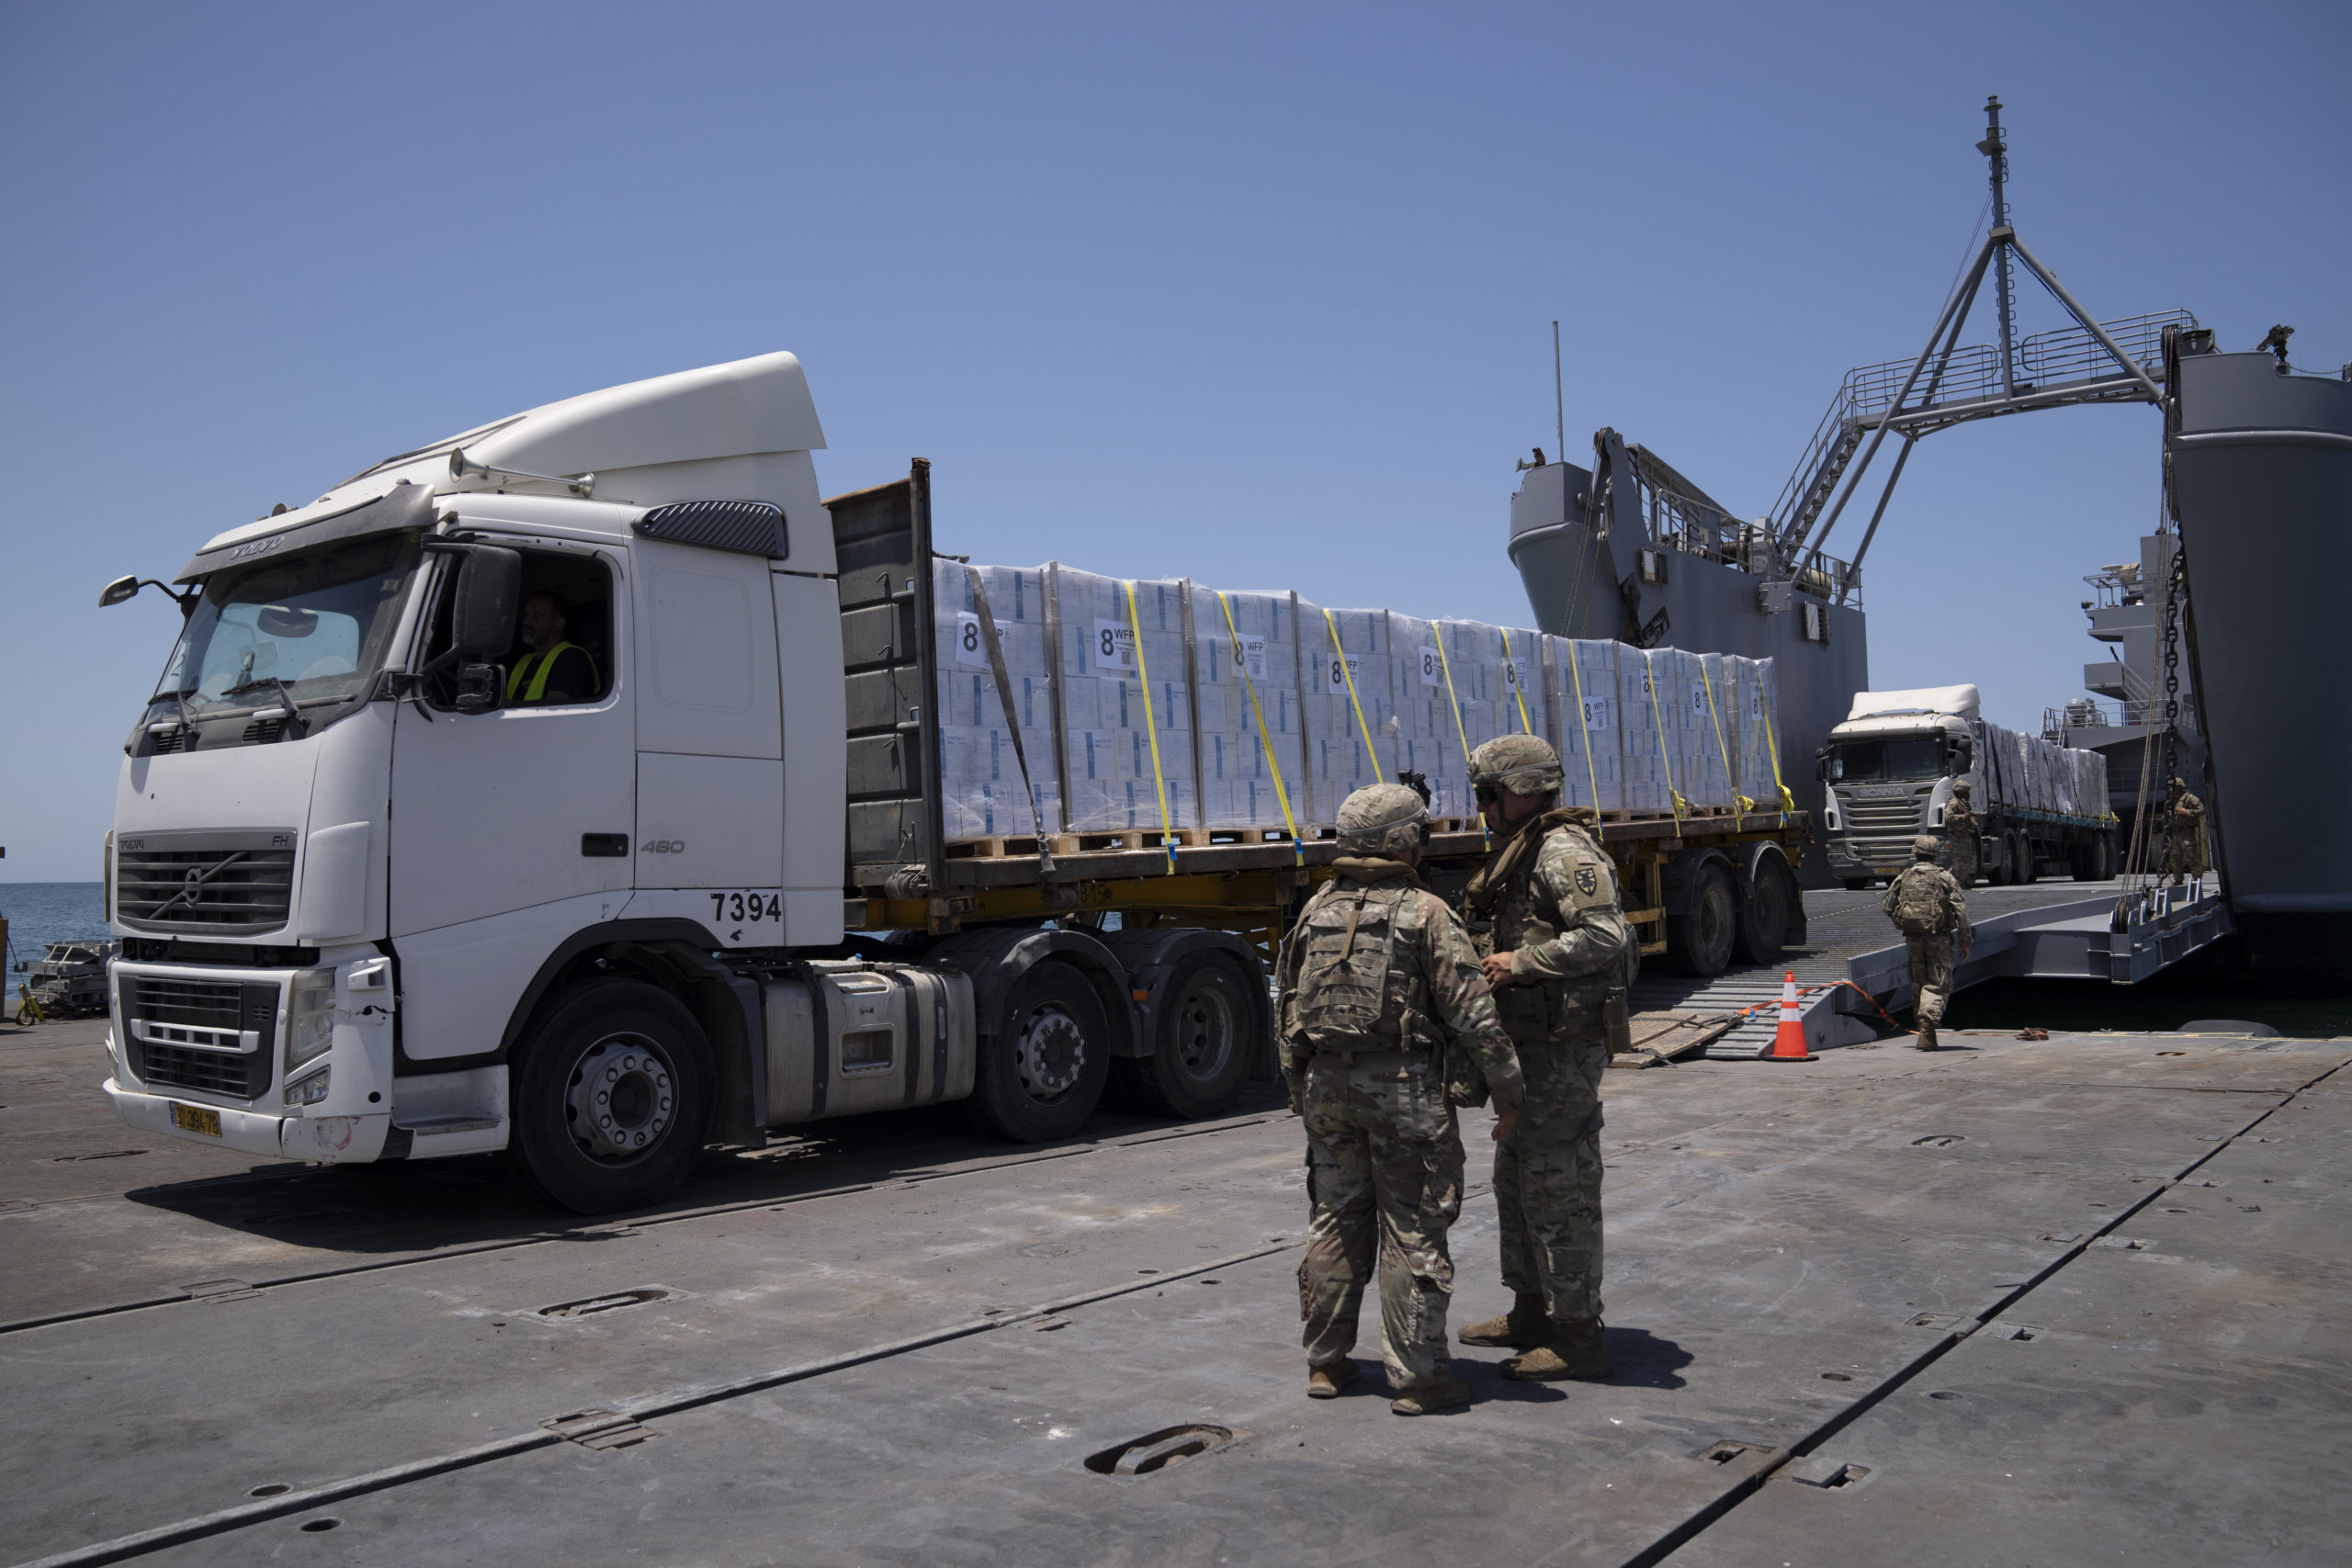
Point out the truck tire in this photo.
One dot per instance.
(1699, 940)
(1200, 1056)
(1765, 922)
(1859, 884)
(2021, 851)
(1041, 1073)
(613, 1098)
(2103, 857)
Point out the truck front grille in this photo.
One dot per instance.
(234, 883)
(191, 1034)
(201, 1004)
(212, 1072)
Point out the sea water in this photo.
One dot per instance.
(42, 912)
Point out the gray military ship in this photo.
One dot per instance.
(2127, 708)
(2260, 464)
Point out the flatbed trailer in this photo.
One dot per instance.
(419, 901)
(1702, 890)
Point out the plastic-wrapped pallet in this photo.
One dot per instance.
(1495, 675)
(1584, 696)
(1253, 651)
(980, 776)
(1345, 681)
(1427, 739)
(1645, 695)
(1108, 734)
(1706, 743)
(1756, 755)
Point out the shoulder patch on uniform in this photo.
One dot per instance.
(1586, 882)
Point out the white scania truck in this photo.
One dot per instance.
(1889, 770)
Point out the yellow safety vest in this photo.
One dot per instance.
(537, 666)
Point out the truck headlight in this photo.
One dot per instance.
(312, 1089)
(310, 1028)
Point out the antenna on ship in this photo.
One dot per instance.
(1947, 385)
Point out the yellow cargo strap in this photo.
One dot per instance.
(1657, 716)
(1151, 728)
(1265, 742)
(1745, 805)
(1788, 801)
(1486, 834)
(1518, 686)
(1585, 729)
(1350, 677)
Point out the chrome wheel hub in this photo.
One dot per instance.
(620, 1099)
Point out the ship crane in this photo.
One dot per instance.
(1945, 384)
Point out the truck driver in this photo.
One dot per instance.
(554, 671)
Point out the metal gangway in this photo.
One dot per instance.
(1945, 384)
(2123, 938)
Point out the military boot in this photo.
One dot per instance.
(1521, 1328)
(1431, 1395)
(1573, 1350)
(1325, 1382)
(1927, 1037)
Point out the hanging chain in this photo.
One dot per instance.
(2176, 582)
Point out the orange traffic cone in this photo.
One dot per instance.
(1788, 1041)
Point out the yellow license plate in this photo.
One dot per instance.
(196, 1119)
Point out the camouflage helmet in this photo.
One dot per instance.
(1383, 819)
(1960, 788)
(1522, 764)
(1924, 847)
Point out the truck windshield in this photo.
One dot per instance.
(316, 622)
(1869, 761)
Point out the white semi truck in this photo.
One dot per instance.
(1889, 770)
(388, 890)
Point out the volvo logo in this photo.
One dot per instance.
(662, 847)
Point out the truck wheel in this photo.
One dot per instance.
(1858, 884)
(613, 1098)
(1699, 940)
(2021, 847)
(1204, 1037)
(1763, 928)
(2103, 858)
(1042, 1070)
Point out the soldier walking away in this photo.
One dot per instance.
(1379, 986)
(1928, 907)
(1961, 833)
(1553, 937)
(2185, 834)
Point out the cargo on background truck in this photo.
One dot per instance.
(1889, 770)
(386, 890)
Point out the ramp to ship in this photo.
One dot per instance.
(2070, 940)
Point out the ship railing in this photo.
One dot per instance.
(2062, 356)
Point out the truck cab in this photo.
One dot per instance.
(1887, 774)
(546, 789)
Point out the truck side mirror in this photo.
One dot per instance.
(1821, 764)
(115, 592)
(481, 620)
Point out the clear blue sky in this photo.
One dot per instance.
(1256, 293)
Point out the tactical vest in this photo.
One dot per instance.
(1919, 905)
(1523, 918)
(1346, 1003)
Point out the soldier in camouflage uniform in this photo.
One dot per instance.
(1961, 833)
(1379, 985)
(1555, 944)
(2186, 834)
(1929, 885)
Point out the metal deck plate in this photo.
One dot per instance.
(918, 1372)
